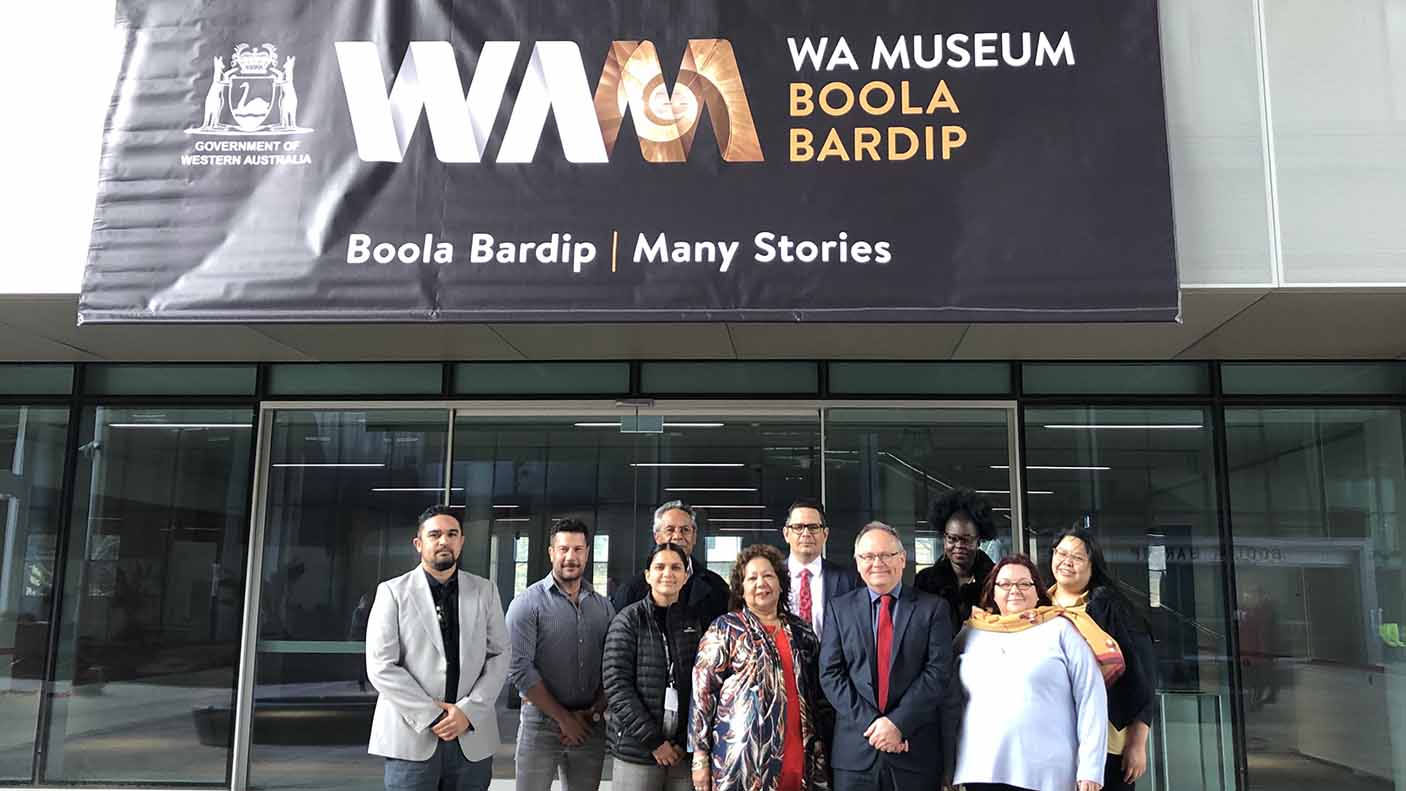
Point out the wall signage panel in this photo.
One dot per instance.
(366, 160)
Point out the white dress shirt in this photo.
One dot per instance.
(817, 590)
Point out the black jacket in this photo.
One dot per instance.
(941, 580)
(1131, 696)
(705, 592)
(635, 674)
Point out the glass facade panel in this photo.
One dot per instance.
(170, 379)
(890, 464)
(31, 479)
(1122, 379)
(728, 378)
(542, 378)
(1144, 481)
(36, 379)
(1317, 521)
(1337, 77)
(152, 598)
(920, 378)
(344, 490)
(1313, 378)
(303, 379)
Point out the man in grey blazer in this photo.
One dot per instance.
(434, 630)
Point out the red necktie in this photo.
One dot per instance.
(884, 645)
(804, 598)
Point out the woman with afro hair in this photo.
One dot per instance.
(963, 519)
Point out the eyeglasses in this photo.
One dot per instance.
(807, 527)
(869, 558)
(1024, 586)
(1072, 557)
(680, 530)
(955, 540)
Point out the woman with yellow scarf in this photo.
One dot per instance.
(1034, 713)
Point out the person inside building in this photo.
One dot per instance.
(756, 683)
(815, 579)
(648, 672)
(557, 630)
(706, 591)
(437, 653)
(885, 661)
(1082, 582)
(962, 519)
(1029, 695)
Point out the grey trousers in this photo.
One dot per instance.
(625, 776)
(541, 757)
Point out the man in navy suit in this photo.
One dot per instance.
(885, 661)
(815, 581)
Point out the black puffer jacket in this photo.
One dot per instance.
(635, 674)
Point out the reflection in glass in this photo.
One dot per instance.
(31, 476)
(153, 592)
(514, 476)
(1143, 480)
(1316, 499)
(344, 490)
(891, 464)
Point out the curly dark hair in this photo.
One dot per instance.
(988, 588)
(735, 600)
(968, 505)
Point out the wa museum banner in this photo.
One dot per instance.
(624, 160)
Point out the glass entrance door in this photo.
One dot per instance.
(343, 486)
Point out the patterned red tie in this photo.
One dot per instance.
(804, 598)
(884, 646)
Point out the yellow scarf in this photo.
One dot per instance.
(1105, 648)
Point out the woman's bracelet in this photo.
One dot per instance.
(700, 762)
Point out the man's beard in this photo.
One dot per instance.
(444, 562)
(568, 573)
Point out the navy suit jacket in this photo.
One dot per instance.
(836, 580)
(919, 671)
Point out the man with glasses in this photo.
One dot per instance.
(963, 519)
(815, 580)
(705, 591)
(885, 661)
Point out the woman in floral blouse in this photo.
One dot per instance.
(760, 721)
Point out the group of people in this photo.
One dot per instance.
(796, 674)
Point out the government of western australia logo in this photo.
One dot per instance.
(242, 98)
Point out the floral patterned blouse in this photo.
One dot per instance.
(739, 704)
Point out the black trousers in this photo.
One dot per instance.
(1113, 775)
(881, 778)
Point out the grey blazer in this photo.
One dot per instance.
(405, 657)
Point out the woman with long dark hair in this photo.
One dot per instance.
(1082, 582)
(647, 674)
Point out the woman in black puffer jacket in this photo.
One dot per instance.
(647, 673)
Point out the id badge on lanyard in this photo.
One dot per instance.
(671, 694)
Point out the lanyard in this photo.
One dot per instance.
(668, 654)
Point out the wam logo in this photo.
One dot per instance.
(242, 98)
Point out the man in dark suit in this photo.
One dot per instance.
(815, 580)
(885, 661)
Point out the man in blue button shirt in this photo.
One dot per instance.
(557, 631)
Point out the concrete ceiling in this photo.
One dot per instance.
(1217, 324)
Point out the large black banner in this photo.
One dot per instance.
(656, 160)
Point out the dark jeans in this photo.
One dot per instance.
(446, 770)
